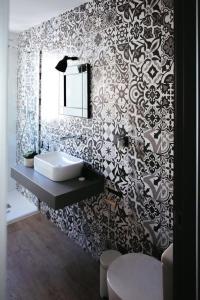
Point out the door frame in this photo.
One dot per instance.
(186, 150)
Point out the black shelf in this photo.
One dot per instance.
(59, 194)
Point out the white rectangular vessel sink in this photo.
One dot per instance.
(58, 166)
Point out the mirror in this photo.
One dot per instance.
(63, 93)
(74, 91)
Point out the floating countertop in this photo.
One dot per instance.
(59, 194)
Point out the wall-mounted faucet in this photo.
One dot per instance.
(44, 146)
(70, 136)
(48, 145)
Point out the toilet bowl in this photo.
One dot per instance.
(136, 276)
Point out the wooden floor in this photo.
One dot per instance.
(43, 264)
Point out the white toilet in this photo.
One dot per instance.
(137, 276)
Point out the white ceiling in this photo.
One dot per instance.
(27, 13)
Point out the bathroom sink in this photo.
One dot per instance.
(58, 166)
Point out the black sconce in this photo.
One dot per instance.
(62, 64)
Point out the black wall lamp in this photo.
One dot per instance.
(62, 64)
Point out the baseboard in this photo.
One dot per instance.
(23, 217)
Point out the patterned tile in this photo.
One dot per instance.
(109, 132)
(108, 112)
(123, 12)
(122, 34)
(108, 151)
(110, 36)
(108, 170)
(130, 46)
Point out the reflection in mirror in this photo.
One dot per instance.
(50, 82)
(74, 91)
(63, 93)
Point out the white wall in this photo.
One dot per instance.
(12, 97)
(3, 140)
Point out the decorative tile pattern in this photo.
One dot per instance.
(130, 46)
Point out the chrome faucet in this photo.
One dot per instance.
(49, 145)
(70, 136)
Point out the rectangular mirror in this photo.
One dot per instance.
(74, 91)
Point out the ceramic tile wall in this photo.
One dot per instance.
(130, 47)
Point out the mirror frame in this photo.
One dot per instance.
(63, 99)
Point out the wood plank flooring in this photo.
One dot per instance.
(43, 264)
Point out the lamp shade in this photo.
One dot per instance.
(62, 65)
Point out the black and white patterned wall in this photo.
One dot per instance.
(130, 47)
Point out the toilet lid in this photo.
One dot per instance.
(136, 276)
